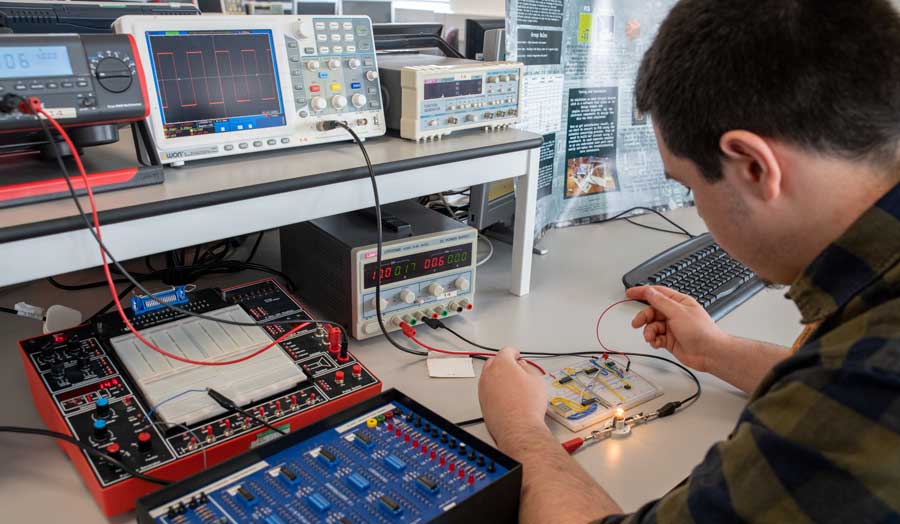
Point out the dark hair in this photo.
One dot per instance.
(819, 74)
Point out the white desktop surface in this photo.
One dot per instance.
(570, 287)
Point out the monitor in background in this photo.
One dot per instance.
(475, 30)
(379, 12)
(315, 8)
(78, 17)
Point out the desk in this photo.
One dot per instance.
(211, 200)
(572, 284)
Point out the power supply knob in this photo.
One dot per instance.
(358, 100)
(318, 104)
(354, 63)
(339, 101)
(371, 328)
(372, 75)
(407, 296)
(313, 65)
(334, 63)
(374, 303)
(435, 290)
(461, 283)
(471, 118)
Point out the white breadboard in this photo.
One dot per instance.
(590, 391)
(160, 377)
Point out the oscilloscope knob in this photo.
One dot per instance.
(334, 63)
(354, 63)
(318, 103)
(313, 65)
(339, 101)
(372, 75)
(358, 100)
(113, 74)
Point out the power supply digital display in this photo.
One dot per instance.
(417, 265)
(215, 81)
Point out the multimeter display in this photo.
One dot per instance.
(34, 61)
(215, 81)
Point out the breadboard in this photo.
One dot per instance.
(160, 377)
(590, 392)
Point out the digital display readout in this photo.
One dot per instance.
(417, 265)
(34, 61)
(86, 390)
(452, 88)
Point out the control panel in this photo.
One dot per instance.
(387, 460)
(429, 96)
(90, 383)
(427, 270)
(224, 85)
(80, 79)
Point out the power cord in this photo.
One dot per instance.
(327, 126)
(90, 450)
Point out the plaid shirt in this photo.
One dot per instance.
(819, 441)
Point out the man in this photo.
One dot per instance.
(783, 117)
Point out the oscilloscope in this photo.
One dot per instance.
(224, 85)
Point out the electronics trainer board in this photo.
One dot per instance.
(225, 85)
(427, 270)
(95, 383)
(590, 391)
(388, 460)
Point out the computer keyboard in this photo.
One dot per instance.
(701, 269)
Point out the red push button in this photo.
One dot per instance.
(315, 88)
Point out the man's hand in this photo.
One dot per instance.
(513, 396)
(678, 323)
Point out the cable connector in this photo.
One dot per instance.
(27, 310)
(408, 330)
(668, 409)
(11, 102)
(433, 323)
(328, 125)
(222, 400)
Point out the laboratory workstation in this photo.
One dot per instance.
(442, 261)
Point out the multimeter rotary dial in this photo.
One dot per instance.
(113, 71)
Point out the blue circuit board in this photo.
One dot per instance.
(387, 466)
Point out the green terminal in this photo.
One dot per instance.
(444, 313)
(380, 418)
(413, 322)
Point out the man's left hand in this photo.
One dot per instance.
(513, 396)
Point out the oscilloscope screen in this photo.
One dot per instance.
(215, 81)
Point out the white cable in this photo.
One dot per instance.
(490, 253)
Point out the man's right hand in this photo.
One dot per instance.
(678, 323)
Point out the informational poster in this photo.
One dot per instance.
(599, 155)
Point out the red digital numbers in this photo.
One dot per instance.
(434, 262)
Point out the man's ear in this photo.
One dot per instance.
(751, 163)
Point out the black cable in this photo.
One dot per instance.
(232, 406)
(81, 287)
(627, 214)
(470, 422)
(102, 245)
(90, 450)
(653, 228)
(255, 247)
(379, 243)
(111, 303)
